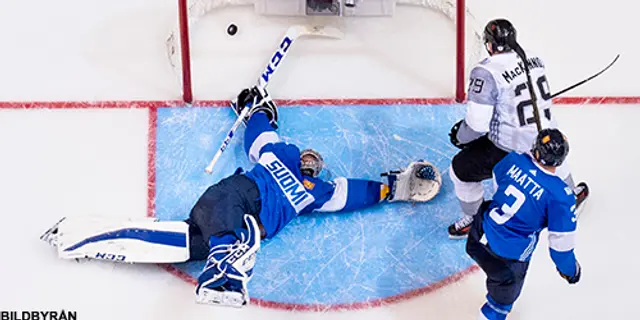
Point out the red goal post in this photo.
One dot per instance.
(469, 46)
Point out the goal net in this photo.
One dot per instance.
(468, 31)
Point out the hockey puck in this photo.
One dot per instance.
(232, 29)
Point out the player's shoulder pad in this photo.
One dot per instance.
(483, 72)
(481, 69)
(539, 61)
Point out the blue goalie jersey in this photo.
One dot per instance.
(285, 193)
(527, 200)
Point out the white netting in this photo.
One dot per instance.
(195, 10)
(474, 48)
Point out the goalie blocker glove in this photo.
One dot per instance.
(259, 100)
(419, 182)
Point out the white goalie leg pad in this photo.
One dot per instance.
(135, 240)
(408, 186)
(235, 263)
(244, 263)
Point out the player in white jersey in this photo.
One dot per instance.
(499, 120)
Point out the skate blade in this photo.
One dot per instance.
(50, 236)
(221, 298)
(452, 237)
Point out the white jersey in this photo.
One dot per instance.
(500, 104)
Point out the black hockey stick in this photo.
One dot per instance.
(518, 49)
(587, 79)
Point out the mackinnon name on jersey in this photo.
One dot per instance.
(534, 62)
(525, 181)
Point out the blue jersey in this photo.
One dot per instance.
(285, 193)
(527, 200)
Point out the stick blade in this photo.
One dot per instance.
(320, 31)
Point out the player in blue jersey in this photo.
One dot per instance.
(505, 232)
(228, 221)
(498, 120)
(232, 216)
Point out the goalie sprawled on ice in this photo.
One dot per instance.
(230, 218)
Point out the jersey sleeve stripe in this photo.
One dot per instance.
(529, 250)
(262, 140)
(338, 199)
(562, 241)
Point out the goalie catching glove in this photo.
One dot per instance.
(258, 100)
(419, 182)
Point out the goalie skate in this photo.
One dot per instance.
(51, 236)
(222, 298)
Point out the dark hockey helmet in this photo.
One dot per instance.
(311, 163)
(500, 33)
(550, 147)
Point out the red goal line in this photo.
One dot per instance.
(141, 104)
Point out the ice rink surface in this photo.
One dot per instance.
(133, 158)
(329, 259)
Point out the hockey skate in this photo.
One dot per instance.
(51, 235)
(460, 229)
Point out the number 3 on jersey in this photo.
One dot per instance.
(545, 93)
(508, 211)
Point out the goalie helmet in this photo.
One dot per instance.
(311, 163)
(498, 36)
(550, 147)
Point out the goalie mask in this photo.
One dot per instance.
(311, 163)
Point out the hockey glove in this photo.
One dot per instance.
(572, 279)
(453, 135)
(419, 182)
(258, 100)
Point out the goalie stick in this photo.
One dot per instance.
(293, 33)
